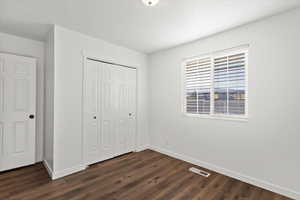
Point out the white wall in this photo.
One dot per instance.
(26, 47)
(265, 150)
(68, 92)
(49, 101)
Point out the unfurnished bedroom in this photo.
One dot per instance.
(149, 100)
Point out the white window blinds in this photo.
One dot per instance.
(216, 84)
(198, 86)
(229, 84)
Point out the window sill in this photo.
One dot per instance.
(219, 117)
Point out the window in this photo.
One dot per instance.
(216, 84)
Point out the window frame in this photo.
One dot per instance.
(212, 55)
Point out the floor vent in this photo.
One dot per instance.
(200, 172)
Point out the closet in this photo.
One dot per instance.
(109, 107)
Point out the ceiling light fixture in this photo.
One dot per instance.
(150, 2)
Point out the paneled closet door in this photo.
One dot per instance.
(126, 109)
(109, 111)
(91, 123)
(132, 77)
(17, 111)
(107, 94)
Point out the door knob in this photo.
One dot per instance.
(95, 117)
(31, 116)
(130, 114)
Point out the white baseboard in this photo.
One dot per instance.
(59, 174)
(142, 148)
(68, 171)
(48, 168)
(260, 183)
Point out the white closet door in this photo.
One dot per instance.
(108, 95)
(125, 114)
(109, 111)
(132, 109)
(91, 101)
(17, 111)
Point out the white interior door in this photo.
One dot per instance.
(17, 111)
(109, 111)
(132, 89)
(91, 123)
(125, 114)
(107, 97)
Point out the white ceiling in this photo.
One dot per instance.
(131, 24)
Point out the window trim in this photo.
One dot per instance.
(212, 55)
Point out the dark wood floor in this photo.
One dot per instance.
(141, 176)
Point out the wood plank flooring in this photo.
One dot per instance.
(146, 175)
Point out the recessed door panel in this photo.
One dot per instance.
(1, 141)
(2, 62)
(22, 93)
(123, 98)
(21, 69)
(92, 93)
(107, 139)
(91, 87)
(106, 96)
(20, 137)
(92, 139)
(1, 94)
(123, 137)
